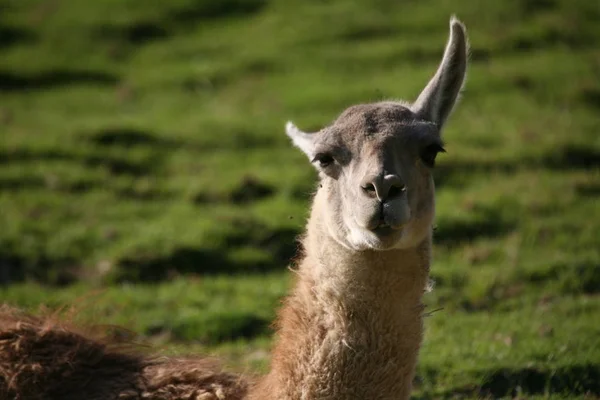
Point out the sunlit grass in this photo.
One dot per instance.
(143, 159)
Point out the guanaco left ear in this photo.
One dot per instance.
(304, 141)
(439, 96)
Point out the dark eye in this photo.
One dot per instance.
(323, 159)
(429, 153)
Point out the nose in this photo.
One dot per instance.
(383, 186)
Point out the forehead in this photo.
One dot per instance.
(377, 123)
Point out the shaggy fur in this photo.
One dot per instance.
(48, 359)
(352, 326)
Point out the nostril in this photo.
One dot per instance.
(396, 190)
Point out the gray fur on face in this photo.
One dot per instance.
(375, 159)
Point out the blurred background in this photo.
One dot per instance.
(145, 174)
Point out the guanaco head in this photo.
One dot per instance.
(375, 160)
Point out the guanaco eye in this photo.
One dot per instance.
(323, 159)
(430, 152)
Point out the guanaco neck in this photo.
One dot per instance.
(352, 326)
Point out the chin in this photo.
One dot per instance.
(387, 238)
(380, 240)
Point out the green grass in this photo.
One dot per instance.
(142, 157)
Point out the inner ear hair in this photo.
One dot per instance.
(436, 101)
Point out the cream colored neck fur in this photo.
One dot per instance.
(352, 327)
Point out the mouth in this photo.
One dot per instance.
(383, 229)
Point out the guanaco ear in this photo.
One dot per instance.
(439, 96)
(304, 141)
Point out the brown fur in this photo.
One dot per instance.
(352, 326)
(47, 358)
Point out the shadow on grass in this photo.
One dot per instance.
(591, 97)
(23, 155)
(574, 379)
(55, 183)
(512, 44)
(209, 10)
(41, 268)
(115, 164)
(143, 194)
(566, 158)
(104, 140)
(11, 82)
(226, 326)
(483, 223)
(578, 277)
(359, 33)
(182, 261)
(588, 189)
(582, 379)
(279, 244)
(529, 6)
(30, 182)
(250, 189)
(137, 33)
(129, 137)
(23, 183)
(12, 35)
(573, 157)
(551, 37)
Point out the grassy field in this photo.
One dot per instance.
(145, 175)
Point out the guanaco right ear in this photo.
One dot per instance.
(436, 101)
(304, 141)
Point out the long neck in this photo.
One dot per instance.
(352, 327)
